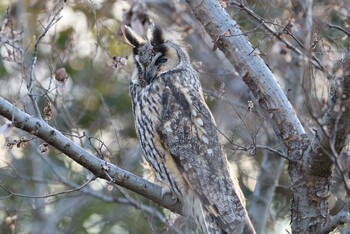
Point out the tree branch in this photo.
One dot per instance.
(337, 115)
(314, 60)
(342, 217)
(334, 128)
(53, 20)
(77, 188)
(330, 138)
(133, 202)
(309, 191)
(226, 35)
(98, 167)
(329, 25)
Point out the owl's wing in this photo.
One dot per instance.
(189, 133)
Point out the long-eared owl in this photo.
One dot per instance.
(179, 137)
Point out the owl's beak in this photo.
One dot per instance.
(149, 74)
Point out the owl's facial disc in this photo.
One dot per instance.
(153, 56)
(154, 60)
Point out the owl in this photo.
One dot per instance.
(179, 136)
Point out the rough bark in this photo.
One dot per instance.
(328, 141)
(309, 166)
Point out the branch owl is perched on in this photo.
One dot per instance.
(179, 137)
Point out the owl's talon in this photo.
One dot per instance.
(167, 190)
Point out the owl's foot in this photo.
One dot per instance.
(167, 192)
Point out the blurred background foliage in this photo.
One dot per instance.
(93, 108)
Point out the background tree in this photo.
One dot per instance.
(66, 65)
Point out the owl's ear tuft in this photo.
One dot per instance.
(132, 37)
(155, 34)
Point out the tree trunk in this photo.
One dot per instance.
(309, 164)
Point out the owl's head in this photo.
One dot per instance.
(154, 55)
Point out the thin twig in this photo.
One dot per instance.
(53, 20)
(314, 60)
(47, 195)
(273, 151)
(140, 206)
(329, 25)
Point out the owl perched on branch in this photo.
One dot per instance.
(179, 136)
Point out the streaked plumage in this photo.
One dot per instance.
(179, 136)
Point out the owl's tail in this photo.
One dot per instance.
(207, 221)
(193, 207)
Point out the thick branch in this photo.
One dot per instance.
(309, 204)
(337, 116)
(98, 167)
(230, 39)
(332, 135)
